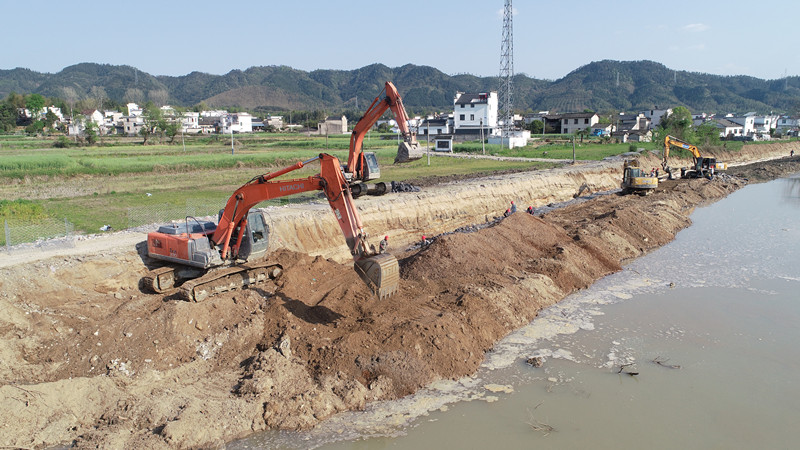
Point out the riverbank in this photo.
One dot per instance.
(89, 358)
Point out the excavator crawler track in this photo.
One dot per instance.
(160, 280)
(224, 280)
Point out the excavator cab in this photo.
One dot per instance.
(255, 242)
(372, 171)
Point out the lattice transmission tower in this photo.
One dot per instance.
(507, 70)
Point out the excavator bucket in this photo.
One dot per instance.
(408, 152)
(380, 272)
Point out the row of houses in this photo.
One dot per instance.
(474, 116)
(204, 122)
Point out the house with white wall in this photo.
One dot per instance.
(748, 123)
(764, 124)
(788, 123)
(274, 122)
(134, 110)
(190, 122)
(131, 125)
(333, 125)
(434, 126)
(727, 128)
(473, 112)
(236, 123)
(574, 122)
(656, 115)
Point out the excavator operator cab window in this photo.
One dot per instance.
(372, 171)
(258, 231)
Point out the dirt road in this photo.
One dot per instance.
(87, 357)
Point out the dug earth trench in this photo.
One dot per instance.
(89, 359)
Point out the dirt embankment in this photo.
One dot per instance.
(87, 357)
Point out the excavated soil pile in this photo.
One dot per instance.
(87, 357)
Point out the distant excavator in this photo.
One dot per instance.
(206, 257)
(635, 180)
(409, 149)
(702, 167)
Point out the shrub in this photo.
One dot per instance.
(62, 142)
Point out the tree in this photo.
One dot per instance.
(8, 117)
(98, 93)
(35, 127)
(158, 96)
(583, 132)
(91, 132)
(678, 123)
(49, 119)
(153, 122)
(706, 134)
(172, 130)
(34, 103)
(70, 97)
(134, 95)
(536, 127)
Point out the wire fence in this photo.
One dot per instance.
(44, 232)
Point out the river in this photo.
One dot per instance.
(692, 346)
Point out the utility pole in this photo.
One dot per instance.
(483, 144)
(573, 149)
(428, 139)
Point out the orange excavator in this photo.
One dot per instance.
(208, 258)
(408, 150)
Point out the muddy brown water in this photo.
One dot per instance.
(692, 346)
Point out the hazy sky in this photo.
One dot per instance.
(551, 38)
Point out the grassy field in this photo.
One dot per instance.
(121, 183)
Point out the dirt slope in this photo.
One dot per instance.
(87, 357)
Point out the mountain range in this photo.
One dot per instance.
(599, 86)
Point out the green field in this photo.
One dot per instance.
(121, 183)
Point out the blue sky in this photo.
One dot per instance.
(551, 38)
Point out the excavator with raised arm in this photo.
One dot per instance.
(207, 258)
(235, 246)
(408, 150)
(702, 167)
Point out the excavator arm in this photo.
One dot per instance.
(669, 142)
(407, 151)
(379, 271)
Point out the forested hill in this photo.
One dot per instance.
(599, 86)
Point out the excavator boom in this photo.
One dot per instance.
(408, 150)
(233, 240)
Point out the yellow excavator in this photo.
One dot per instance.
(635, 180)
(702, 167)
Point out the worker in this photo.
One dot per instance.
(384, 243)
(791, 153)
(424, 240)
(513, 207)
(507, 213)
(529, 210)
